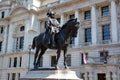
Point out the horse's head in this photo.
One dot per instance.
(73, 25)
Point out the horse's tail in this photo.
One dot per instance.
(33, 43)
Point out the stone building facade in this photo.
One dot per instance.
(94, 54)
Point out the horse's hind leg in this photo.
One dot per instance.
(35, 57)
(40, 55)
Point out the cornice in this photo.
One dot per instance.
(15, 54)
(57, 4)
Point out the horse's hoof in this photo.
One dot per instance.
(35, 67)
(33, 63)
(66, 67)
(56, 67)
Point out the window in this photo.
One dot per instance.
(82, 61)
(87, 15)
(20, 61)
(106, 32)
(72, 16)
(68, 60)
(111, 74)
(15, 62)
(88, 35)
(53, 61)
(19, 43)
(8, 76)
(103, 56)
(3, 14)
(22, 28)
(88, 76)
(105, 11)
(18, 76)
(72, 40)
(41, 62)
(10, 59)
(58, 19)
(13, 76)
(82, 76)
(1, 30)
(0, 45)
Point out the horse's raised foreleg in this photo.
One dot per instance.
(40, 55)
(65, 63)
(57, 58)
(35, 57)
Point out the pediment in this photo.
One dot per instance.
(18, 10)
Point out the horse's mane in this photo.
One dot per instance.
(64, 26)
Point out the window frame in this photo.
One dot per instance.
(22, 28)
(105, 11)
(19, 43)
(88, 34)
(68, 60)
(87, 15)
(106, 34)
(1, 44)
(15, 62)
(3, 14)
(53, 62)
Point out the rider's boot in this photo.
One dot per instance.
(53, 41)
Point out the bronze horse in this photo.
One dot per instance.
(40, 42)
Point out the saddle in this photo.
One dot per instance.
(49, 39)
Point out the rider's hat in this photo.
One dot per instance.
(50, 13)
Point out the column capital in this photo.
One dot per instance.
(93, 5)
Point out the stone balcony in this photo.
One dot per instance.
(105, 42)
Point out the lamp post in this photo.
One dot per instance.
(29, 47)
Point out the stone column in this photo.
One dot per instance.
(4, 47)
(114, 21)
(114, 76)
(16, 76)
(85, 76)
(90, 76)
(77, 38)
(62, 19)
(94, 25)
(12, 62)
(95, 77)
(10, 78)
(108, 76)
(26, 38)
(10, 39)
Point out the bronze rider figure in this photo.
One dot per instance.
(52, 25)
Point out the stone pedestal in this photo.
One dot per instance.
(51, 75)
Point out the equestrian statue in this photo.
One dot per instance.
(54, 37)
